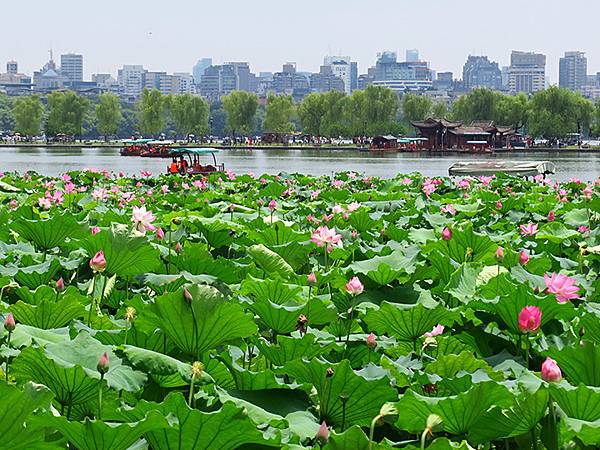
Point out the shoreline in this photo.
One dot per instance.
(118, 145)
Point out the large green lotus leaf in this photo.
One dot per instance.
(218, 232)
(126, 255)
(576, 217)
(362, 221)
(294, 253)
(581, 402)
(277, 234)
(449, 366)
(459, 413)
(270, 262)
(34, 275)
(590, 323)
(225, 429)
(555, 232)
(99, 435)
(49, 233)
(407, 323)
(354, 438)
(462, 284)
(513, 298)
(586, 432)
(364, 396)
(274, 290)
(155, 363)
(385, 269)
(206, 322)
(24, 335)
(466, 245)
(48, 294)
(293, 348)
(524, 415)
(16, 411)
(48, 314)
(196, 260)
(579, 364)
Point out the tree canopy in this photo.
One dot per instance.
(66, 111)
(151, 111)
(278, 113)
(28, 113)
(189, 114)
(240, 107)
(108, 114)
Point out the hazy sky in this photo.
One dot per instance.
(171, 35)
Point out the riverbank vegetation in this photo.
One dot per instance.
(550, 114)
(343, 312)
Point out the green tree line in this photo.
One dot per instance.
(552, 113)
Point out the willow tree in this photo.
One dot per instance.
(151, 112)
(278, 113)
(108, 114)
(28, 113)
(189, 114)
(240, 108)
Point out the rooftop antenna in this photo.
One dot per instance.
(51, 57)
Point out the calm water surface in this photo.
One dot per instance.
(54, 161)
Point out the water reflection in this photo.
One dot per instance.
(53, 161)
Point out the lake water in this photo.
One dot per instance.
(54, 161)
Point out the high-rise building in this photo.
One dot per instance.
(573, 71)
(199, 69)
(290, 82)
(527, 72)
(387, 68)
(325, 80)
(218, 81)
(480, 72)
(71, 67)
(341, 67)
(444, 81)
(412, 55)
(131, 79)
(12, 67)
(183, 83)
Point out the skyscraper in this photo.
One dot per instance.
(479, 71)
(199, 69)
(131, 79)
(527, 72)
(412, 55)
(573, 71)
(12, 67)
(341, 67)
(71, 67)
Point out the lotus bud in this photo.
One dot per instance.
(354, 286)
(95, 230)
(371, 341)
(103, 364)
(160, 234)
(260, 202)
(323, 434)
(311, 279)
(529, 319)
(9, 323)
(550, 370)
(272, 205)
(446, 234)
(98, 262)
(187, 296)
(329, 372)
(197, 370)
(498, 204)
(523, 257)
(178, 248)
(551, 216)
(60, 285)
(499, 253)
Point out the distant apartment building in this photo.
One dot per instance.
(290, 82)
(131, 79)
(573, 71)
(221, 80)
(400, 76)
(71, 67)
(183, 83)
(199, 69)
(14, 83)
(444, 81)
(12, 67)
(325, 80)
(480, 72)
(342, 67)
(412, 55)
(527, 72)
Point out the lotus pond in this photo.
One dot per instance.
(298, 312)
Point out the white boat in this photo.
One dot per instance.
(515, 168)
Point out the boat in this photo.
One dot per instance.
(157, 149)
(514, 168)
(134, 147)
(186, 161)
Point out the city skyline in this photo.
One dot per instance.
(260, 34)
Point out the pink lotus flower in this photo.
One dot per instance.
(142, 219)
(436, 331)
(371, 341)
(160, 234)
(562, 286)
(60, 285)
(337, 184)
(449, 209)
(327, 237)
(498, 204)
(311, 279)
(9, 323)
(337, 209)
(164, 188)
(523, 257)
(323, 434)
(178, 248)
(529, 319)
(95, 230)
(103, 364)
(485, 180)
(354, 286)
(584, 230)
(272, 205)
(550, 370)
(588, 192)
(45, 203)
(13, 204)
(406, 181)
(446, 234)
(98, 262)
(314, 194)
(551, 216)
(499, 254)
(530, 229)
(464, 183)
(100, 194)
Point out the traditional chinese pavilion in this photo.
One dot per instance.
(442, 134)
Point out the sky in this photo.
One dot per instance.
(171, 35)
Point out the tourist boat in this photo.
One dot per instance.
(134, 147)
(186, 161)
(478, 147)
(157, 149)
(514, 168)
